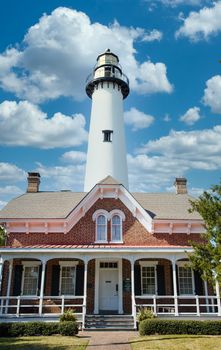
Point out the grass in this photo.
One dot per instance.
(174, 342)
(43, 343)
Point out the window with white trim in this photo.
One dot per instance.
(185, 280)
(101, 228)
(67, 277)
(116, 228)
(30, 279)
(148, 278)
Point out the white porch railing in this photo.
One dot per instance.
(168, 305)
(46, 306)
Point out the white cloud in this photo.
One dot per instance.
(212, 94)
(74, 157)
(191, 116)
(24, 124)
(202, 24)
(70, 177)
(60, 50)
(138, 119)
(11, 173)
(153, 78)
(153, 35)
(175, 3)
(167, 118)
(157, 163)
(2, 204)
(10, 190)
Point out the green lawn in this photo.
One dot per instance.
(177, 342)
(43, 343)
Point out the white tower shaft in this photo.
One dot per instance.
(107, 86)
(106, 157)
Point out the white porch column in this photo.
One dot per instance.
(218, 298)
(1, 270)
(85, 282)
(85, 294)
(206, 295)
(133, 301)
(175, 287)
(9, 285)
(42, 287)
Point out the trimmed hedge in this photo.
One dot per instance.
(68, 328)
(19, 329)
(156, 326)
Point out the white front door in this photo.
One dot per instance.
(108, 289)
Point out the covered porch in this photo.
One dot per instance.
(43, 283)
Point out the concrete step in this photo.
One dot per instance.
(102, 322)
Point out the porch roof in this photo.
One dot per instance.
(94, 246)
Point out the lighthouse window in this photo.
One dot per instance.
(107, 71)
(107, 135)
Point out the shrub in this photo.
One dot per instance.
(68, 328)
(50, 329)
(18, 329)
(68, 315)
(148, 327)
(145, 313)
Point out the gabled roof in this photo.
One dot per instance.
(167, 205)
(109, 180)
(42, 205)
(58, 205)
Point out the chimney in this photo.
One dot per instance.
(180, 184)
(33, 182)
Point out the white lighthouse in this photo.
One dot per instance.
(107, 86)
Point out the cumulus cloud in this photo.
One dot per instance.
(175, 3)
(69, 177)
(157, 163)
(11, 172)
(10, 190)
(212, 94)
(74, 156)
(153, 35)
(60, 50)
(137, 119)
(24, 124)
(191, 116)
(2, 204)
(202, 24)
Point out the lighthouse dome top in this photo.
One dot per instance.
(107, 70)
(107, 57)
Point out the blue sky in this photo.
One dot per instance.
(169, 49)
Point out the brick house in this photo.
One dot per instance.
(105, 251)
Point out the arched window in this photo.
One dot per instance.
(116, 228)
(101, 228)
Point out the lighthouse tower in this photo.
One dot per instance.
(107, 86)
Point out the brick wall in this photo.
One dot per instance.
(83, 232)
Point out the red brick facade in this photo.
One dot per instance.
(83, 233)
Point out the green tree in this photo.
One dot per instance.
(2, 236)
(207, 254)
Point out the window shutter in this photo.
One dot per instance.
(39, 279)
(160, 280)
(177, 280)
(55, 277)
(18, 269)
(79, 289)
(137, 279)
(199, 288)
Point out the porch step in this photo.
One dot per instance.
(105, 322)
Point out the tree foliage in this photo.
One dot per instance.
(207, 254)
(2, 236)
